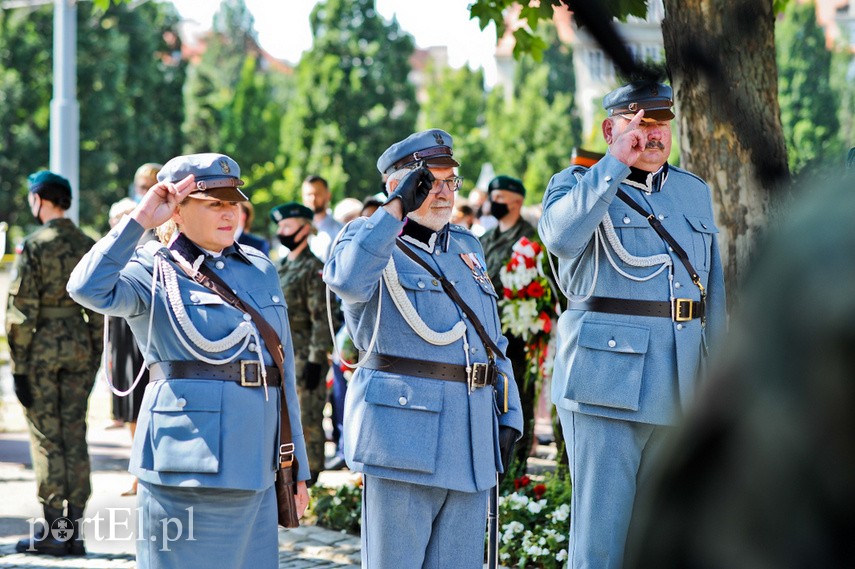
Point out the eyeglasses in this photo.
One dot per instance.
(452, 184)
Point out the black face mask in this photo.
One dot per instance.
(498, 210)
(290, 242)
(37, 213)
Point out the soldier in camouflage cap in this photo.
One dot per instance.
(506, 200)
(300, 277)
(56, 349)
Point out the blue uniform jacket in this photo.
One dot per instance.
(638, 368)
(423, 431)
(204, 433)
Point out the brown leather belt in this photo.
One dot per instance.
(483, 374)
(245, 372)
(680, 310)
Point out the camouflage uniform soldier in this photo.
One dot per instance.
(300, 277)
(56, 348)
(506, 200)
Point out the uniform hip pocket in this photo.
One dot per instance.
(185, 426)
(608, 365)
(400, 425)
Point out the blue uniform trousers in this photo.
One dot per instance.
(603, 504)
(411, 526)
(225, 528)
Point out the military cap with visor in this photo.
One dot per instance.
(433, 147)
(217, 176)
(654, 98)
(507, 183)
(290, 209)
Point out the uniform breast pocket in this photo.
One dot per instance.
(271, 304)
(426, 295)
(400, 426)
(205, 310)
(635, 233)
(703, 230)
(185, 426)
(608, 365)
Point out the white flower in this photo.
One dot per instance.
(535, 507)
(513, 527)
(560, 537)
(561, 513)
(562, 555)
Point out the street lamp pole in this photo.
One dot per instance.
(64, 109)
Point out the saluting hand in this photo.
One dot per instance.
(160, 201)
(628, 143)
(411, 191)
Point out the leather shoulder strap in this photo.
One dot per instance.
(210, 280)
(449, 289)
(663, 233)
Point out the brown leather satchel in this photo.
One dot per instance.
(286, 487)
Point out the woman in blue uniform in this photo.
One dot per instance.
(207, 439)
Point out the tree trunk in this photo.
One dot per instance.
(721, 55)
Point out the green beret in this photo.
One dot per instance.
(290, 209)
(41, 180)
(507, 183)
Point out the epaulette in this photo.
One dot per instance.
(458, 228)
(674, 169)
(251, 251)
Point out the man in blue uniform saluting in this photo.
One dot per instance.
(433, 411)
(639, 262)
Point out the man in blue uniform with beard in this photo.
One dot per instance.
(433, 410)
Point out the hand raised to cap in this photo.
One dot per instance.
(413, 189)
(160, 201)
(628, 143)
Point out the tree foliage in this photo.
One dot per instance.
(129, 90)
(808, 103)
(456, 102)
(353, 98)
(211, 82)
(532, 133)
(526, 38)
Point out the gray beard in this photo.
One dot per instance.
(432, 220)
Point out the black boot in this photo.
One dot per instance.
(75, 545)
(46, 543)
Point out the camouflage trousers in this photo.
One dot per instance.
(57, 424)
(312, 404)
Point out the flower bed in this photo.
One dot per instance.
(534, 515)
(534, 522)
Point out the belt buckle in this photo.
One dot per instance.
(243, 376)
(482, 374)
(286, 450)
(682, 305)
